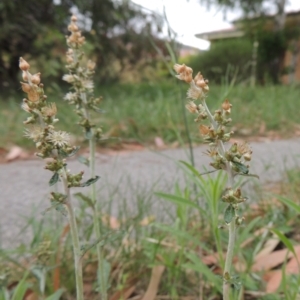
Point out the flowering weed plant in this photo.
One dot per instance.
(82, 97)
(54, 146)
(233, 160)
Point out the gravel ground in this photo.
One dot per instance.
(124, 177)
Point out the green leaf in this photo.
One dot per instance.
(59, 206)
(241, 167)
(191, 168)
(21, 288)
(4, 294)
(290, 203)
(90, 181)
(62, 153)
(56, 295)
(285, 240)
(229, 213)
(86, 199)
(237, 285)
(250, 175)
(179, 200)
(180, 234)
(84, 160)
(76, 149)
(98, 110)
(54, 179)
(40, 273)
(105, 268)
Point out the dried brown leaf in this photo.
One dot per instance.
(111, 221)
(273, 259)
(269, 246)
(159, 142)
(292, 267)
(147, 220)
(14, 153)
(152, 289)
(123, 294)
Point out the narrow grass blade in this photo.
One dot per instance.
(285, 240)
(56, 295)
(179, 200)
(180, 234)
(21, 288)
(290, 203)
(191, 168)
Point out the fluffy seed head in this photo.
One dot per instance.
(59, 138)
(68, 78)
(34, 133)
(50, 110)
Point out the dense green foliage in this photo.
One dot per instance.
(226, 58)
(30, 27)
(36, 30)
(272, 31)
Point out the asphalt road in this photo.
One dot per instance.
(129, 178)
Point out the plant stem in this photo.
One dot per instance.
(231, 242)
(187, 130)
(229, 256)
(96, 215)
(96, 211)
(75, 239)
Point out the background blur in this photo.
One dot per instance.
(122, 37)
(250, 51)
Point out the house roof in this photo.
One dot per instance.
(235, 32)
(220, 34)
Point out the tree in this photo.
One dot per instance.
(117, 34)
(120, 33)
(22, 24)
(273, 42)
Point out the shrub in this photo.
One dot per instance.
(225, 58)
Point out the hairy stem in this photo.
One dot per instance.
(75, 239)
(96, 211)
(96, 220)
(229, 256)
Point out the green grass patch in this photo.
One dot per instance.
(141, 112)
(135, 244)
